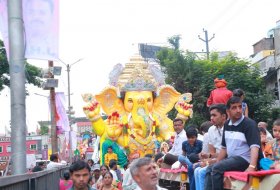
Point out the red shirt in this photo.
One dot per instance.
(219, 96)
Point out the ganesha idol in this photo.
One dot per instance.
(136, 104)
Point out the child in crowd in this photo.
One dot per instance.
(274, 163)
(266, 147)
(241, 94)
(276, 144)
(110, 155)
(199, 136)
(191, 148)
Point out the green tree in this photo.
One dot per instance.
(182, 73)
(44, 130)
(188, 74)
(32, 73)
(175, 41)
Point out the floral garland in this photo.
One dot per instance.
(115, 118)
(154, 132)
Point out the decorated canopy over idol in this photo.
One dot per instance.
(136, 102)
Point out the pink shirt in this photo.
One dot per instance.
(64, 185)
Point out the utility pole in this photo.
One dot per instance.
(69, 114)
(52, 105)
(70, 111)
(17, 86)
(206, 40)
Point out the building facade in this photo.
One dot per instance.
(267, 57)
(35, 145)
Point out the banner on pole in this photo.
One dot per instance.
(60, 103)
(41, 28)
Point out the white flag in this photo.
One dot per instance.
(60, 103)
(40, 28)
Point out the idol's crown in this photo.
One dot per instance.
(138, 84)
(137, 75)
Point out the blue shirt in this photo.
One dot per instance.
(196, 148)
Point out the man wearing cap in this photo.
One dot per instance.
(96, 175)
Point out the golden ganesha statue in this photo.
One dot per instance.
(136, 104)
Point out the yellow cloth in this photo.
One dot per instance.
(110, 156)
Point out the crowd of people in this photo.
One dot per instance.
(230, 141)
(142, 174)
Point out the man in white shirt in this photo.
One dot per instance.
(204, 127)
(218, 118)
(113, 167)
(128, 182)
(172, 156)
(54, 162)
(180, 137)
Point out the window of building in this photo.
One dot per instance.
(33, 147)
(9, 149)
(1, 149)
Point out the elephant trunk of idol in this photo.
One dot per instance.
(141, 121)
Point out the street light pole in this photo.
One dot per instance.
(68, 79)
(17, 86)
(68, 67)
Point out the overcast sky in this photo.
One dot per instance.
(106, 32)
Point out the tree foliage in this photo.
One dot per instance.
(187, 74)
(44, 130)
(32, 73)
(175, 41)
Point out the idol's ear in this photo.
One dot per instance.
(167, 96)
(110, 101)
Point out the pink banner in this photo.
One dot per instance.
(40, 28)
